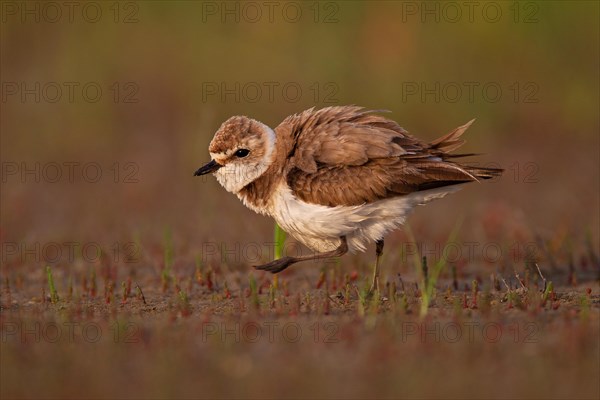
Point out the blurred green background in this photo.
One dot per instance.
(171, 72)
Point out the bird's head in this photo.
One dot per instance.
(241, 151)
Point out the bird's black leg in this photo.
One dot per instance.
(282, 263)
(378, 252)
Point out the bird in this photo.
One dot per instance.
(336, 178)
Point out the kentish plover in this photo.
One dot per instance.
(336, 178)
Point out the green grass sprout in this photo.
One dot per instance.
(279, 237)
(53, 293)
(429, 278)
(254, 291)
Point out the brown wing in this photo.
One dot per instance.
(349, 156)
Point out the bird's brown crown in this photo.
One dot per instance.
(231, 131)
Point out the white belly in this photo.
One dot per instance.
(320, 227)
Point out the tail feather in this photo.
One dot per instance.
(451, 141)
(483, 172)
(461, 173)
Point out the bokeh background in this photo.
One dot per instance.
(170, 72)
(134, 91)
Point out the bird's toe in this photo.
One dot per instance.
(276, 266)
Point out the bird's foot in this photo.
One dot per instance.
(276, 266)
(374, 288)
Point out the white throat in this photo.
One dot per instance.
(236, 174)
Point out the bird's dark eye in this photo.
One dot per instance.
(242, 153)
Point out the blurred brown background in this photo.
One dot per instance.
(136, 90)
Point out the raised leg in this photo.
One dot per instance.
(378, 252)
(282, 263)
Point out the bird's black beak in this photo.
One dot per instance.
(208, 168)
